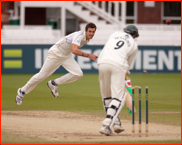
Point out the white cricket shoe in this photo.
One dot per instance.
(19, 97)
(106, 130)
(54, 88)
(118, 128)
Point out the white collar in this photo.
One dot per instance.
(85, 39)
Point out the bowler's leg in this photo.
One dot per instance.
(74, 70)
(50, 65)
(48, 68)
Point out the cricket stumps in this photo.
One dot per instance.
(139, 110)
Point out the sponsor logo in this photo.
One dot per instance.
(30, 59)
(128, 83)
(144, 60)
(12, 59)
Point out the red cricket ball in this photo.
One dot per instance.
(168, 21)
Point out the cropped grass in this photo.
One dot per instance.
(83, 96)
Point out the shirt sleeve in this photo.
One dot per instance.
(132, 56)
(78, 39)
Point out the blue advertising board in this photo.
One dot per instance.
(30, 58)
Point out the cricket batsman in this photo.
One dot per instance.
(114, 63)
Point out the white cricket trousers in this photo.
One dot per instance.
(112, 81)
(55, 58)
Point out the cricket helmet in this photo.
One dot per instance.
(131, 29)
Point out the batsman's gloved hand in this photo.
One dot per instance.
(128, 72)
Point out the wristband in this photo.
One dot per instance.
(82, 53)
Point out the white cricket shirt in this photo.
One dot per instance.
(65, 44)
(119, 51)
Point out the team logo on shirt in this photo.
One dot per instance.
(126, 37)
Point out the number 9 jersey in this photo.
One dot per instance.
(119, 51)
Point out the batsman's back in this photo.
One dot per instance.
(118, 48)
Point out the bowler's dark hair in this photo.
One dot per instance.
(90, 25)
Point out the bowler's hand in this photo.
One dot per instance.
(93, 56)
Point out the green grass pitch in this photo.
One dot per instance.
(83, 96)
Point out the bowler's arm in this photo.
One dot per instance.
(77, 51)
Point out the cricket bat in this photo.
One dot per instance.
(128, 89)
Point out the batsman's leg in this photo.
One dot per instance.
(117, 123)
(105, 75)
(118, 96)
(105, 89)
(113, 111)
